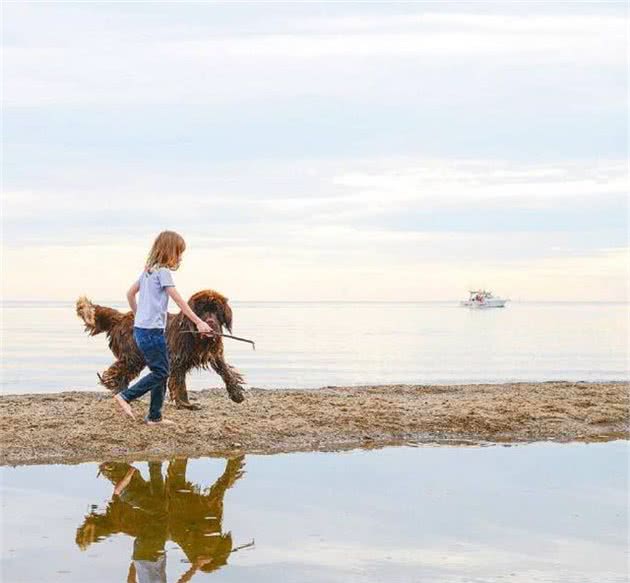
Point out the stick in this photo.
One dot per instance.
(251, 544)
(224, 336)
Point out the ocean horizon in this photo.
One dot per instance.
(310, 344)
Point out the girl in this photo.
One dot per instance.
(155, 285)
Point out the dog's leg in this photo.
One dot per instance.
(114, 377)
(118, 376)
(231, 377)
(178, 392)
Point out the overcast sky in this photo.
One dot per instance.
(354, 151)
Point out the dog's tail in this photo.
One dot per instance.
(97, 318)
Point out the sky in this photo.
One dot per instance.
(317, 151)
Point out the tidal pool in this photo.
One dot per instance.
(541, 512)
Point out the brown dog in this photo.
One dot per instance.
(186, 351)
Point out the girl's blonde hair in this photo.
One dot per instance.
(166, 251)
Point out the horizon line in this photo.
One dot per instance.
(297, 301)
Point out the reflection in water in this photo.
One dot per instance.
(160, 509)
(533, 514)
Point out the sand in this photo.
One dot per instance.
(72, 427)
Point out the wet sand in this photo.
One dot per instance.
(73, 427)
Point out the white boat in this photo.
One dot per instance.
(481, 298)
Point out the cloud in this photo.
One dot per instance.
(444, 559)
(345, 266)
(343, 150)
(398, 56)
(264, 197)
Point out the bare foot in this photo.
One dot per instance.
(124, 406)
(161, 422)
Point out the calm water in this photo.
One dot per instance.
(535, 513)
(318, 344)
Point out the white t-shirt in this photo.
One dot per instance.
(151, 571)
(153, 299)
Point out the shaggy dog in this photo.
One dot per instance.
(186, 351)
(169, 509)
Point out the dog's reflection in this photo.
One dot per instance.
(160, 509)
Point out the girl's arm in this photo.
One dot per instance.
(202, 326)
(131, 296)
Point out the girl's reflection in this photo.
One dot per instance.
(162, 509)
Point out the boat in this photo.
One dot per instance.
(481, 298)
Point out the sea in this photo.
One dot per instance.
(316, 344)
(527, 513)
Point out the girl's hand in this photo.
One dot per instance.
(204, 328)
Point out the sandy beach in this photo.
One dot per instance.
(83, 426)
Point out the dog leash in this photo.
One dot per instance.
(220, 334)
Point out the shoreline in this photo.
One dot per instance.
(75, 427)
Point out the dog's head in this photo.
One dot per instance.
(210, 305)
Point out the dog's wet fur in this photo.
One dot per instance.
(186, 351)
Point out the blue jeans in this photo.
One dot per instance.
(152, 345)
